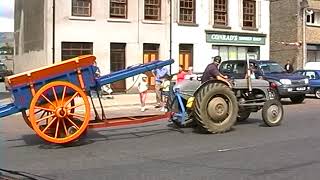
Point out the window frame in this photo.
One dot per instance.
(193, 10)
(152, 5)
(254, 14)
(76, 14)
(71, 48)
(118, 16)
(221, 11)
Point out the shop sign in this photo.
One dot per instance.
(213, 37)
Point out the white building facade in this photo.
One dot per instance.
(121, 33)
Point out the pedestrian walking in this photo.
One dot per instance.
(165, 92)
(143, 90)
(159, 73)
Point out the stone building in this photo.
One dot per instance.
(121, 33)
(295, 31)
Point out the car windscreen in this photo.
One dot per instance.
(2, 67)
(236, 67)
(271, 68)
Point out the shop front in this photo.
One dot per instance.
(235, 45)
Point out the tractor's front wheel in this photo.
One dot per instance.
(216, 108)
(272, 113)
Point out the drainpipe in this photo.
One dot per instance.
(170, 25)
(53, 30)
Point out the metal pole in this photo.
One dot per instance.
(170, 25)
(304, 37)
(53, 30)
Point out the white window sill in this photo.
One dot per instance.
(152, 22)
(118, 20)
(314, 25)
(80, 18)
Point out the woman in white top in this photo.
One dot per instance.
(143, 90)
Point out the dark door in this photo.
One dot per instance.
(118, 62)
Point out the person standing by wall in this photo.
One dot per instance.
(181, 74)
(288, 67)
(159, 73)
(165, 92)
(143, 90)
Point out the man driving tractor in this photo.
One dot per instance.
(212, 72)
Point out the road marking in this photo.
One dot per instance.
(236, 148)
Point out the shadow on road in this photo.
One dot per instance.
(95, 135)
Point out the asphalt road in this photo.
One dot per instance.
(156, 151)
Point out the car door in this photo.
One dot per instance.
(313, 79)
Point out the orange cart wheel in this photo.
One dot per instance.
(25, 114)
(67, 112)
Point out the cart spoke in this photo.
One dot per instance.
(77, 115)
(78, 105)
(44, 118)
(45, 109)
(72, 98)
(45, 129)
(55, 94)
(48, 100)
(64, 127)
(63, 93)
(57, 128)
(76, 126)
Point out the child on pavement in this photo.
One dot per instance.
(143, 89)
(165, 92)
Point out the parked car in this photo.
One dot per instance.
(4, 71)
(312, 66)
(284, 85)
(314, 80)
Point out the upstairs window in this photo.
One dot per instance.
(152, 10)
(221, 12)
(249, 13)
(81, 8)
(187, 11)
(118, 9)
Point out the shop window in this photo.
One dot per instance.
(81, 8)
(118, 9)
(236, 52)
(221, 12)
(152, 10)
(249, 13)
(74, 49)
(187, 11)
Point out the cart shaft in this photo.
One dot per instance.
(126, 73)
(8, 109)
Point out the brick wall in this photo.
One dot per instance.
(283, 27)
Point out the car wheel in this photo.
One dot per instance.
(317, 93)
(297, 99)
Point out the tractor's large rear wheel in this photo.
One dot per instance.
(216, 108)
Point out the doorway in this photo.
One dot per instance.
(150, 53)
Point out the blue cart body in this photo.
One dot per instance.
(22, 94)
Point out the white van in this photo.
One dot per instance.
(312, 66)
